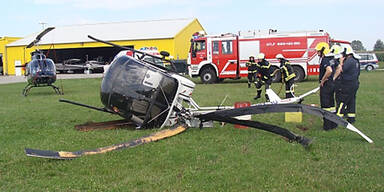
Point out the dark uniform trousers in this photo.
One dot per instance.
(252, 71)
(289, 89)
(263, 81)
(327, 103)
(346, 99)
(288, 76)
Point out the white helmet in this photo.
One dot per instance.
(279, 56)
(347, 49)
(261, 56)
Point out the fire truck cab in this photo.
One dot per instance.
(218, 57)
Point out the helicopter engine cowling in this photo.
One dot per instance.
(141, 92)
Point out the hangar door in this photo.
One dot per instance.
(1, 64)
(101, 54)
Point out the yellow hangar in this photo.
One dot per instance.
(3, 42)
(69, 42)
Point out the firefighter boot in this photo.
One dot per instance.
(351, 120)
(266, 98)
(258, 95)
(249, 84)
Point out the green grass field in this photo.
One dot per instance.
(211, 159)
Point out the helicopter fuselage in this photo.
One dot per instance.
(41, 72)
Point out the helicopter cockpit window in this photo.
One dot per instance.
(138, 89)
(154, 60)
(41, 66)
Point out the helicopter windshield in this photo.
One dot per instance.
(42, 67)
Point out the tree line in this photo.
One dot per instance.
(357, 45)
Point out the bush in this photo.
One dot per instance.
(380, 56)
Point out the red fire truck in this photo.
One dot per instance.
(215, 58)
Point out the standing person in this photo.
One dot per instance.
(336, 51)
(327, 95)
(347, 74)
(263, 74)
(287, 75)
(252, 69)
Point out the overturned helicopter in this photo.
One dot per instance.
(152, 96)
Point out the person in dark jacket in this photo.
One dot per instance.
(347, 74)
(252, 69)
(263, 75)
(287, 75)
(327, 95)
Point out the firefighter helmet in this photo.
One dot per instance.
(323, 47)
(279, 56)
(261, 56)
(251, 56)
(348, 49)
(335, 49)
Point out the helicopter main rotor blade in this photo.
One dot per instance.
(275, 108)
(39, 36)
(133, 50)
(163, 134)
(84, 105)
(126, 48)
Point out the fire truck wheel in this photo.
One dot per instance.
(299, 72)
(277, 77)
(208, 76)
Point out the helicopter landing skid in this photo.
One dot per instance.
(30, 86)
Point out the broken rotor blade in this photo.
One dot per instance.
(177, 129)
(275, 108)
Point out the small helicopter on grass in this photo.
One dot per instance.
(152, 96)
(40, 71)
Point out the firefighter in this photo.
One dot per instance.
(252, 69)
(263, 75)
(287, 75)
(336, 51)
(327, 95)
(347, 74)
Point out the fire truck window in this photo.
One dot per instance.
(215, 47)
(199, 45)
(226, 47)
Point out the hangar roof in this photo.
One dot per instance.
(116, 31)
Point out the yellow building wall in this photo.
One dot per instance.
(3, 42)
(183, 39)
(14, 54)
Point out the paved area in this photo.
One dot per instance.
(18, 79)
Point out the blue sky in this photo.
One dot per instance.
(343, 19)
